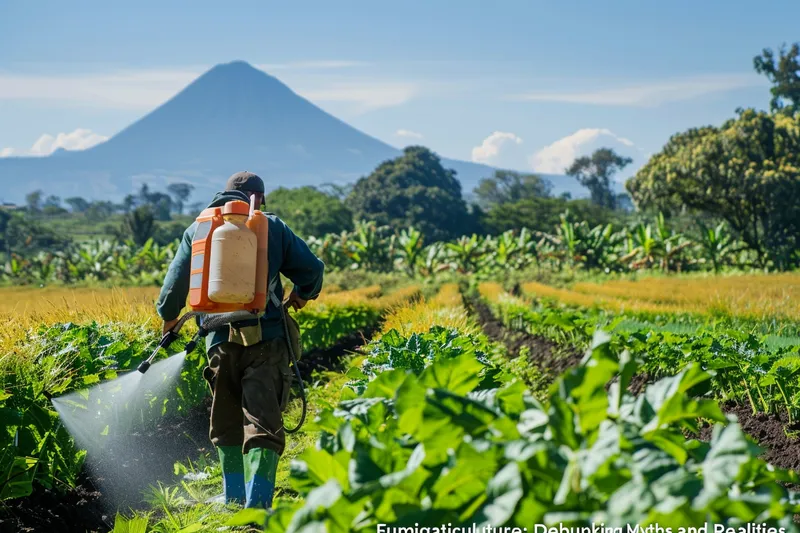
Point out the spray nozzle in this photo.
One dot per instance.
(144, 366)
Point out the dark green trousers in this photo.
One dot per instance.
(251, 389)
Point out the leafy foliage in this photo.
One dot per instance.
(139, 224)
(438, 443)
(506, 187)
(543, 214)
(180, 194)
(309, 211)
(412, 190)
(744, 172)
(784, 73)
(743, 367)
(595, 172)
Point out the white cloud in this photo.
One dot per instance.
(143, 89)
(556, 157)
(365, 96)
(489, 150)
(146, 89)
(408, 134)
(650, 94)
(80, 139)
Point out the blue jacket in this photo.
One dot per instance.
(288, 255)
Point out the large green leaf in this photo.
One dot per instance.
(314, 468)
(504, 491)
(459, 375)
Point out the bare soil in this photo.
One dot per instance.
(548, 356)
(771, 431)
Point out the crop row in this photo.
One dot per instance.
(745, 367)
(430, 431)
(56, 359)
(573, 244)
(754, 297)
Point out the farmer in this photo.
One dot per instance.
(248, 368)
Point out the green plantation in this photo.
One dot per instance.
(443, 419)
(506, 359)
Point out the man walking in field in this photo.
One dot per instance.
(248, 367)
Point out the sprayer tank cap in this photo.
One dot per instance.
(236, 207)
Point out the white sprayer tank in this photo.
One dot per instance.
(233, 258)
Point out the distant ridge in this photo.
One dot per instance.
(232, 117)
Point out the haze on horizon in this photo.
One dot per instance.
(522, 85)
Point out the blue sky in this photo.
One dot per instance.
(518, 83)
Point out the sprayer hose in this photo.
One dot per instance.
(296, 371)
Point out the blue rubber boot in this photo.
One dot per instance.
(232, 462)
(260, 467)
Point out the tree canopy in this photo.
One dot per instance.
(784, 73)
(746, 172)
(309, 211)
(595, 172)
(413, 190)
(507, 186)
(543, 214)
(180, 193)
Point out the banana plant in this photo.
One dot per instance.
(15, 268)
(599, 248)
(369, 248)
(646, 250)
(433, 260)
(409, 250)
(717, 244)
(467, 253)
(567, 238)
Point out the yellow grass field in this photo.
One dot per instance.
(445, 309)
(27, 307)
(758, 297)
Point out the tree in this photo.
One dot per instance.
(128, 203)
(543, 214)
(77, 204)
(34, 201)
(338, 191)
(784, 73)
(745, 172)
(161, 204)
(100, 210)
(413, 190)
(52, 206)
(310, 212)
(143, 198)
(22, 233)
(180, 194)
(139, 224)
(506, 186)
(595, 172)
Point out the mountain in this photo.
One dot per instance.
(234, 117)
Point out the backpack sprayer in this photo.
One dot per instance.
(228, 278)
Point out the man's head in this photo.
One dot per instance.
(248, 183)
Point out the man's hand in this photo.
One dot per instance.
(168, 325)
(295, 301)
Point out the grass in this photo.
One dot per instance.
(444, 309)
(755, 297)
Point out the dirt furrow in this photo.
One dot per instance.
(771, 431)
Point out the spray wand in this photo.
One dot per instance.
(214, 321)
(210, 322)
